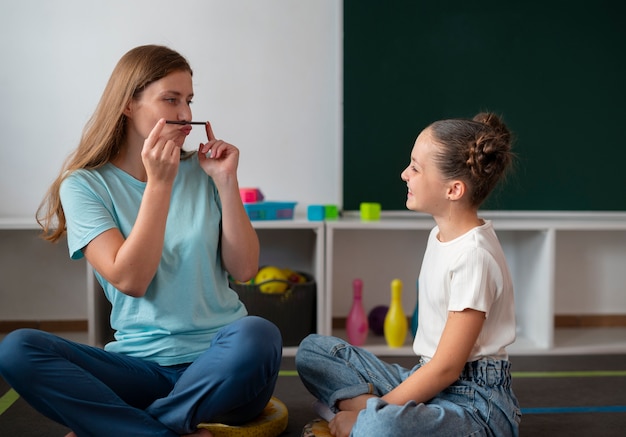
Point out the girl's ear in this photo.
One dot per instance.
(456, 190)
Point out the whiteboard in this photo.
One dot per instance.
(267, 74)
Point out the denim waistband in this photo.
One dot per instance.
(488, 372)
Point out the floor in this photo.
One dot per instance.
(563, 395)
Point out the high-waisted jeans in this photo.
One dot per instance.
(98, 393)
(479, 403)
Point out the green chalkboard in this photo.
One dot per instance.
(554, 70)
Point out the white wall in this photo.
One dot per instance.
(267, 74)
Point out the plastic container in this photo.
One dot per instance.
(270, 210)
(293, 311)
(249, 195)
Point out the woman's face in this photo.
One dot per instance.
(426, 187)
(168, 98)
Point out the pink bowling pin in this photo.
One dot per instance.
(357, 326)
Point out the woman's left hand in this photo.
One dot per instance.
(217, 157)
(342, 423)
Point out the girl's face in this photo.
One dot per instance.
(427, 189)
(169, 98)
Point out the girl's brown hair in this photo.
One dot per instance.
(105, 132)
(476, 151)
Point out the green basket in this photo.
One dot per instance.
(293, 311)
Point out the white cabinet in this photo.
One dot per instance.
(567, 258)
(294, 244)
(38, 281)
(298, 245)
(561, 263)
(375, 252)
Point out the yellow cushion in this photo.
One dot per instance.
(272, 422)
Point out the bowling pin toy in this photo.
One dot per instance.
(357, 325)
(396, 325)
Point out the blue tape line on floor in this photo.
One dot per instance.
(543, 374)
(565, 410)
(569, 374)
(8, 399)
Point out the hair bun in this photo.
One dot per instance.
(495, 122)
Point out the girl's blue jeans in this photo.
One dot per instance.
(98, 393)
(479, 403)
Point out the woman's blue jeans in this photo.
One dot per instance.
(479, 403)
(98, 393)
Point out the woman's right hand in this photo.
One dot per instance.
(160, 156)
(129, 263)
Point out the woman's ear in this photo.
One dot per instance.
(128, 108)
(456, 190)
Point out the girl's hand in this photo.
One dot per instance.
(160, 156)
(342, 423)
(218, 158)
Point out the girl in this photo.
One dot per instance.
(162, 229)
(462, 384)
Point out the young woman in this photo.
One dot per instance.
(462, 383)
(163, 229)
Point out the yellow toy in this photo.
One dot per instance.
(396, 325)
(271, 280)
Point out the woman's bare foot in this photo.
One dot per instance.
(71, 434)
(201, 432)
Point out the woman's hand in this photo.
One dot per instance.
(130, 263)
(342, 423)
(239, 242)
(218, 158)
(160, 156)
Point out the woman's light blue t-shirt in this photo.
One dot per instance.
(189, 299)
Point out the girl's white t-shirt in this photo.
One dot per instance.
(469, 272)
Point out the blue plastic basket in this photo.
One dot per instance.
(270, 210)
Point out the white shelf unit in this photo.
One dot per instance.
(375, 252)
(550, 255)
(295, 244)
(299, 245)
(562, 263)
(38, 281)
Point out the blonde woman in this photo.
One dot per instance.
(163, 229)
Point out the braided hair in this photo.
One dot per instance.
(476, 151)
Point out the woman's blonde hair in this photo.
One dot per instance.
(106, 129)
